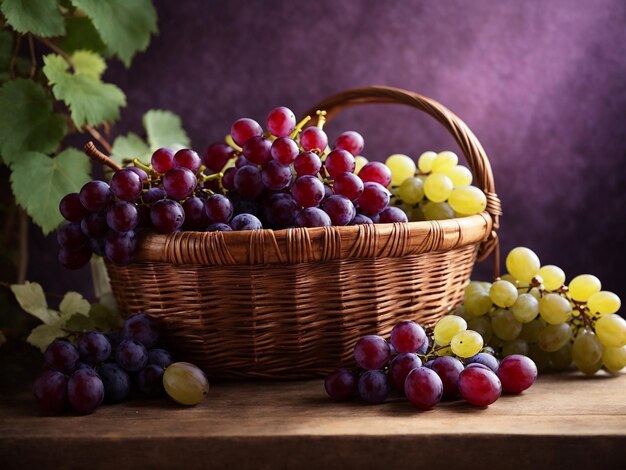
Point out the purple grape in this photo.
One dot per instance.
(95, 225)
(217, 155)
(258, 150)
(340, 209)
(85, 391)
(281, 121)
(95, 196)
(127, 184)
(143, 176)
(339, 161)
(423, 388)
(116, 383)
(373, 386)
(94, 347)
(228, 178)
(153, 195)
(162, 160)
(348, 185)
(179, 183)
(308, 191)
(276, 176)
(307, 163)
(71, 208)
(407, 336)
(280, 210)
(115, 338)
(392, 214)
(448, 369)
(400, 367)
(243, 161)
(187, 158)
(361, 219)
(243, 129)
(484, 359)
(141, 328)
(340, 384)
(160, 357)
(372, 352)
(122, 216)
(75, 259)
(424, 348)
(97, 245)
(71, 237)
(313, 138)
(312, 217)
(131, 355)
(351, 141)
(374, 199)
(479, 386)
(479, 365)
(82, 365)
(517, 373)
(120, 248)
(61, 356)
(248, 182)
(167, 216)
(284, 150)
(245, 222)
(50, 391)
(150, 380)
(195, 215)
(375, 172)
(219, 227)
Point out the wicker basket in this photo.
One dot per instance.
(292, 303)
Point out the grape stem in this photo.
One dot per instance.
(92, 152)
(143, 166)
(299, 127)
(230, 141)
(321, 118)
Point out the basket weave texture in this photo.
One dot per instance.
(292, 303)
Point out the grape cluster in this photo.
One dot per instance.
(531, 310)
(109, 367)
(426, 368)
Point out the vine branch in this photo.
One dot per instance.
(99, 137)
(50, 45)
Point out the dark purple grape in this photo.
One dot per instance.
(71, 208)
(219, 227)
(115, 338)
(167, 216)
(93, 347)
(126, 184)
(308, 191)
(284, 150)
(424, 348)
(143, 176)
(179, 183)
(374, 198)
(373, 386)
(61, 356)
(281, 121)
(312, 217)
(160, 357)
(484, 359)
(372, 352)
(122, 216)
(276, 176)
(162, 160)
(328, 191)
(187, 158)
(423, 388)
(351, 141)
(257, 150)
(340, 209)
(75, 259)
(95, 225)
(243, 161)
(195, 215)
(50, 391)
(313, 138)
(71, 237)
(400, 367)
(280, 210)
(479, 385)
(142, 328)
(248, 182)
(407, 336)
(217, 155)
(448, 369)
(517, 373)
(348, 185)
(153, 195)
(375, 172)
(95, 196)
(131, 355)
(340, 384)
(120, 248)
(392, 214)
(85, 391)
(116, 383)
(361, 219)
(245, 222)
(479, 365)
(243, 129)
(82, 365)
(228, 178)
(150, 380)
(307, 163)
(339, 161)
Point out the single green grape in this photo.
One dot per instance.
(425, 161)
(587, 353)
(526, 308)
(185, 383)
(604, 303)
(555, 309)
(444, 161)
(411, 190)
(553, 277)
(359, 162)
(611, 330)
(504, 325)
(562, 358)
(481, 325)
(438, 187)
(460, 175)
(523, 263)
(530, 331)
(503, 293)
(517, 346)
(447, 327)
(475, 287)
(466, 343)
(614, 359)
(467, 200)
(438, 211)
(584, 286)
(554, 337)
(401, 166)
(477, 304)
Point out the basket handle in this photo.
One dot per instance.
(471, 147)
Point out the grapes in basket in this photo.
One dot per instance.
(287, 176)
(112, 367)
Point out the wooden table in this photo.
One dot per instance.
(563, 421)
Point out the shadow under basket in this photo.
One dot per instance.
(292, 303)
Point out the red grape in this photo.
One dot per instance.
(373, 386)
(74, 259)
(312, 217)
(284, 150)
(448, 369)
(339, 161)
(120, 247)
(179, 183)
(258, 150)
(143, 176)
(372, 352)
(374, 198)
(219, 209)
(228, 179)
(361, 219)
(400, 367)
(94, 347)
(95, 196)
(71, 208)
(375, 172)
(167, 216)
(281, 121)
(280, 210)
(517, 373)
(248, 182)
(392, 214)
(219, 227)
(189, 159)
(307, 163)
(423, 388)
(50, 391)
(71, 237)
(340, 209)
(485, 359)
(85, 391)
(407, 336)
(313, 138)
(348, 185)
(340, 384)
(150, 380)
(479, 386)
(61, 356)
(351, 141)
(217, 155)
(246, 222)
(162, 160)
(122, 216)
(243, 129)
(140, 327)
(308, 191)
(126, 184)
(195, 215)
(153, 195)
(276, 176)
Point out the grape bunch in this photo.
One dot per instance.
(445, 364)
(110, 367)
(531, 310)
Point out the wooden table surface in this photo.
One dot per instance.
(563, 421)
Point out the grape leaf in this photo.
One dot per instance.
(43, 335)
(90, 100)
(27, 121)
(164, 129)
(39, 182)
(82, 34)
(124, 26)
(32, 299)
(80, 322)
(129, 146)
(104, 318)
(88, 63)
(41, 17)
(73, 303)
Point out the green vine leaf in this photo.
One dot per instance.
(82, 35)
(80, 323)
(88, 63)
(74, 303)
(90, 100)
(43, 335)
(32, 299)
(124, 26)
(39, 182)
(6, 47)
(41, 17)
(104, 318)
(164, 129)
(130, 146)
(27, 121)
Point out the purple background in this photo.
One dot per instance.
(542, 84)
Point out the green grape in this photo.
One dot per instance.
(536, 293)
(481, 325)
(425, 161)
(466, 343)
(401, 166)
(447, 327)
(509, 278)
(554, 337)
(604, 303)
(614, 359)
(185, 383)
(587, 353)
(503, 293)
(540, 357)
(477, 304)
(555, 309)
(447, 351)
(460, 175)
(444, 161)
(526, 308)
(517, 346)
(461, 312)
(359, 162)
(467, 200)
(553, 276)
(411, 190)
(611, 330)
(584, 286)
(522, 263)
(504, 325)
(475, 287)
(530, 331)
(417, 214)
(562, 358)
(438, 187)
(438, 211)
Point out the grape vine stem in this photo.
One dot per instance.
(52, 46)
(99, 137)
